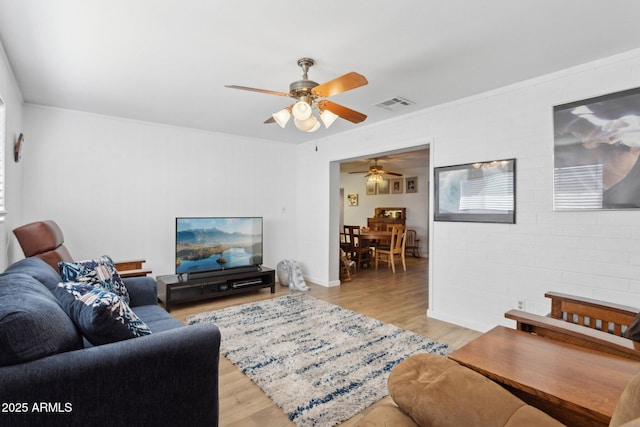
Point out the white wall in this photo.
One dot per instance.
(479, 270)
(12, 98)
(115, 186)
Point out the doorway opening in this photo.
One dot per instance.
(355, 200)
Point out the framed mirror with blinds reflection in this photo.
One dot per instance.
(476, 192)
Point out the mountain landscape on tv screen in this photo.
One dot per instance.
(215, 249)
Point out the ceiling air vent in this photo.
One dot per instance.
(395, 103)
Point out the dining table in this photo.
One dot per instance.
(375, 237)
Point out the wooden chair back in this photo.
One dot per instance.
(413, 243)
(396, 247)
(351, 232)
(360, 254)
(603, 316)
(398, 239)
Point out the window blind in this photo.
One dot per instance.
(492, 192)
(577, 187)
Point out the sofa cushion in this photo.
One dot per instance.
(435, 390)
(95, 272)
(38, 269)
(157, 318)
(627, 409)
(32, 323)
(387, 415)
(102, 316)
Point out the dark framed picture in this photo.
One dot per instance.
(476, 192)
(411, 184)
(596, 151)
(397, 186)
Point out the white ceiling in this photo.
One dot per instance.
(167, 61)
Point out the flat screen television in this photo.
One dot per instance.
(213, 244)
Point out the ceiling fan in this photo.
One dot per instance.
(308, 93)
(375, 172)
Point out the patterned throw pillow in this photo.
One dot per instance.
(99, 272)
(102, 316)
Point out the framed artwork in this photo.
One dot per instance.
(411, 185)
(397, 186)
(383, 187)
(476, 192)
(352, 199)
(596, 147)
(371, 189)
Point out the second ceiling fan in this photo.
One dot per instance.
(308, 93)
(375, 172)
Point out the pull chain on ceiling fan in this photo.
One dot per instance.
(307, 94)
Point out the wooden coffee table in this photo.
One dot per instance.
(577, 386)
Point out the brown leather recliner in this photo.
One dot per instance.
(43, 239)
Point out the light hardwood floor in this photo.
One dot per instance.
(399, 299)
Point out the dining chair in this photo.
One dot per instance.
(347, 267)
(413, 243)
(396, 248)
(359, 253)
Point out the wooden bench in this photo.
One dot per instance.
(600, 315)
(585, 322)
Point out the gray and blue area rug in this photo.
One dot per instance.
(319, 362)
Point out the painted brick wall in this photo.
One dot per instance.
(480, 270)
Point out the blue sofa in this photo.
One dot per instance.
(51, 376)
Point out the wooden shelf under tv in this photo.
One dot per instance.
(172, 289)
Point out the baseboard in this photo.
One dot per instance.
(456, 320)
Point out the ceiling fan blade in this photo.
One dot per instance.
(338, 85)
(252, 89)
(360, 172)
(390, 173)
(342, 111)
(269, 120)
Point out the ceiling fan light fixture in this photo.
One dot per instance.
(301, 110)
(316, 125)
(307, 93)
(375, 178)
(328, 118)
(282, 117)
(306, 125)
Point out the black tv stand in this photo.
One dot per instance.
(175, 288)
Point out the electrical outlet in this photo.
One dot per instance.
(520, 304)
